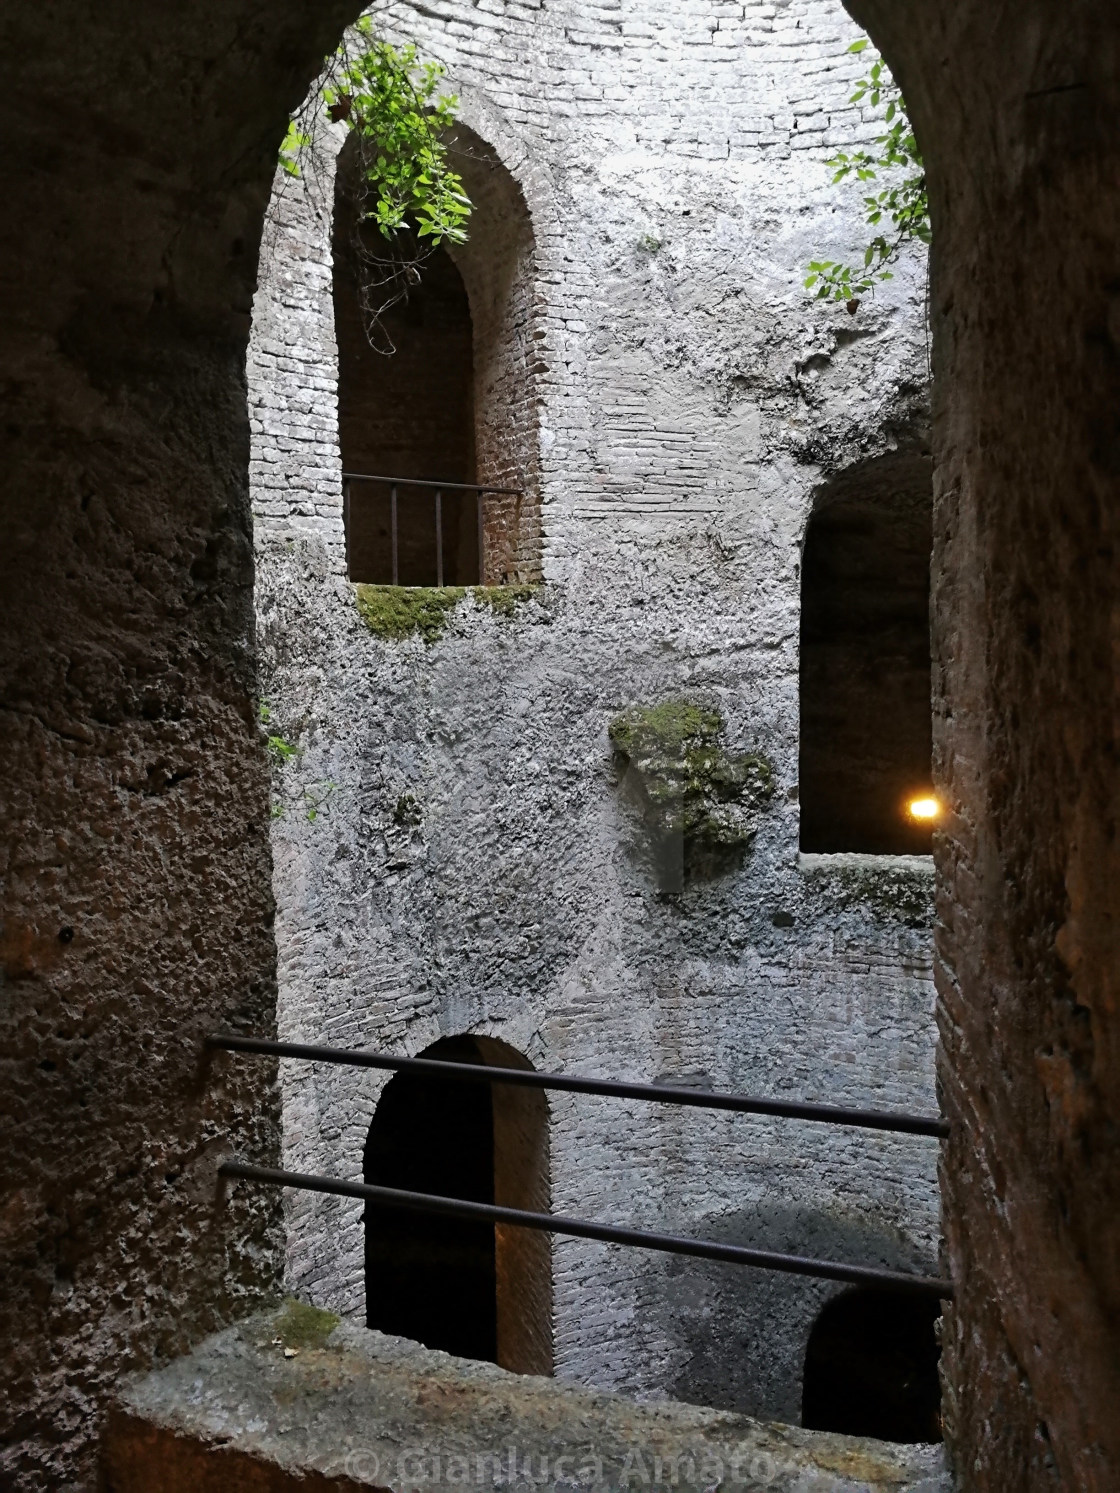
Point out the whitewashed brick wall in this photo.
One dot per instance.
(672, 156)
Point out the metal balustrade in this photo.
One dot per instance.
(395, 484)
(828, 1114)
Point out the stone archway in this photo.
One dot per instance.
(871, 1367)
(475, 1289)
(1015, 112)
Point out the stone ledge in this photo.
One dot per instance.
(361, 1410)
(813, 861)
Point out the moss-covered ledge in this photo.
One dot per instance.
(894, 887)
(397, 612)
(353, 1409)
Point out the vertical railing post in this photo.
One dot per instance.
(481, 537)
(439, 537)
(393, 528)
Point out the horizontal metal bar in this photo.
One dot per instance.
(789, 1109)
(702, 1249)
(423, 482)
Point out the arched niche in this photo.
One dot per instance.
(471, 1288)
(866, 726)
(450, 396)
(871, 1367)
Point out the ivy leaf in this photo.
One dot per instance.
(904, 203)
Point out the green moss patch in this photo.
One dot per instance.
(300, 1325)
(503, 601)
(699, 803)
(396, 612)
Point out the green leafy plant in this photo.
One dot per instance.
(407, 198)
(899, 209)
(316, 797)
(294, 143)
(391, 101)
(282, 751)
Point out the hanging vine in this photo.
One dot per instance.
(407, 199)
(903, 203)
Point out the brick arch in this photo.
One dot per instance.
(472, 1288)
(406, 404)
(498, 266)
(456, 398)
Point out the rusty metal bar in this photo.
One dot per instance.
(439, 537)
(674, 1244)
(481, 534)
(789, 1109)
(426, 482)
(393, 528)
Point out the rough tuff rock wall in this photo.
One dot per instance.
(1016, 112)
(450, 848)
(136, 904)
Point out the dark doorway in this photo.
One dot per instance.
(406, 410)
(866, 720)
(469, 1288)
(871, 1368)
(429, 1278)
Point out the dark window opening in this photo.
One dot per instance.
(866, 732)
(409, 413)
(871, 1368)
(474, 1289)
(454, 402)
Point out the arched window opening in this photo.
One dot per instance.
(866, 730)
(474, 1289)
(452, 405)
(409, 413)
(871, 1368)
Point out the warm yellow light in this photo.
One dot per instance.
(924, 808)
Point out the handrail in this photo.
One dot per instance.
(479, 489)
(790, 1109)
(426, 482)
(580, 1228)
(736, 1254)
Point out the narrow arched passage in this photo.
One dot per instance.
(470, 1288)
(871, 1368)
(437, 384)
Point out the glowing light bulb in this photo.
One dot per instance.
(924, 808)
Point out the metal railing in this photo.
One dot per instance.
(394, 484)
(827, 1114)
